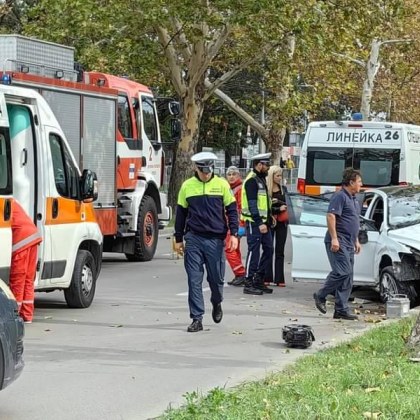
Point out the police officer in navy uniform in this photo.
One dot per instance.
(206, 210)
(256, 208)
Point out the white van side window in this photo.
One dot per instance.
(66, 175)
(5, 166)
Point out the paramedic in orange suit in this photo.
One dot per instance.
(25, 241)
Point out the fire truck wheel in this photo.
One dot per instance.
(146, 238)
(83, 283)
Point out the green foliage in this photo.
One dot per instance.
(368, 375)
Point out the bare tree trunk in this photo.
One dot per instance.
(275, 139)
(183, 168)
(274, 144)
(414, 339)
(372, 67)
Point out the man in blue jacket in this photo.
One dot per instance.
(206, 209)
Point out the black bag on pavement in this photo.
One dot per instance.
(300, 336)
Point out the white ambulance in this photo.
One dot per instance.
(386, 153)
(38, 169)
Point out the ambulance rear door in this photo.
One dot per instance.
(6, 186)
(29, 167)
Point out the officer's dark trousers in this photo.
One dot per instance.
(203, 252)
(340, 280)
(255, 239)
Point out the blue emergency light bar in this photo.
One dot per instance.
(6, 79)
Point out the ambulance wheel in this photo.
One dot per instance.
(83, 283)
(146, 238)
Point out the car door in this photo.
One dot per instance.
(364, 262)
(307, 226)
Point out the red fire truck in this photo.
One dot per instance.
(112, 127)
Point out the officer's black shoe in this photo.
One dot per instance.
(345, 315)
(217, 313)
(250, 288)
(320, 305)
(195, 326)
(265, 289)
(237, 281)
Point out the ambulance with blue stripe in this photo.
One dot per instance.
(386, 153)
(38, 169)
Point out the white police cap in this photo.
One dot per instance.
(203, 157)
(204, 161)
(262, 157)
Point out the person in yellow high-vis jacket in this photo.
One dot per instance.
(256, 208)
(206, 211)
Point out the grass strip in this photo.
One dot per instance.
(368, 377)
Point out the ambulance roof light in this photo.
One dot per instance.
(357, 116)
(6, 79)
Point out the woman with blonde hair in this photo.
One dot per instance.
(277, 192)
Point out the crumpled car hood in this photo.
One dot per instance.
(409, 236)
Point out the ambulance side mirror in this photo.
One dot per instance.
(88, 186)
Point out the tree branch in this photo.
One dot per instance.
(171, 56)
(394, 41)
(225, 77)
(354, 60)
(184, 44)
(240, 112)
(211, 50)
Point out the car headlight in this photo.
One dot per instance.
(6, 290)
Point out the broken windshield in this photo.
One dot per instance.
(404, 208)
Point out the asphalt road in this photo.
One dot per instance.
(129, 356)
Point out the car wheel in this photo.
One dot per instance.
(83, 283)
(389, 285)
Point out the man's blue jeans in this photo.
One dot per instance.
(340, 280)
(203, 252)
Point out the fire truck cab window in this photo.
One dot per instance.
(124, 118)
(149, 118)
(66, 175)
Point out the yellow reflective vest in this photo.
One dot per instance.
(263, 201)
